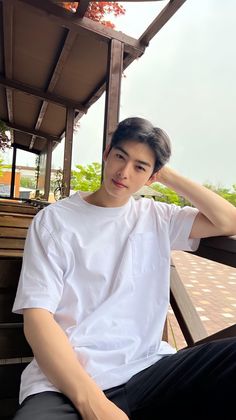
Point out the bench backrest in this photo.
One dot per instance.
(13, 346)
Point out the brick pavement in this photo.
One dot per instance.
(212, 288)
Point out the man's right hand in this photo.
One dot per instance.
(98, 407)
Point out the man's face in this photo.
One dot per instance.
(127, 168)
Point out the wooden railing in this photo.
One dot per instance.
(221, 250)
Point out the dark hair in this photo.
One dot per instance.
(142, 130)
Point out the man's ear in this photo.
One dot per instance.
(153, 178)
(106, 152)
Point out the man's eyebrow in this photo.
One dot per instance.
(142, 162)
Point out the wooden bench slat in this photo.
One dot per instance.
(13, 232)
(12, 243)
(18, 209)
(15, 221)
(11, 253)
(19, 215)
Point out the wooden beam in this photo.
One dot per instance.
(168, 11)
(31, 131)
(69, 20)
(68, 152)
(71, 36)
(8, 52)
(82, 9)
(112, 105)
(21, 147)
(49, 97)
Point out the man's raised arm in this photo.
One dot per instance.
(216, 215)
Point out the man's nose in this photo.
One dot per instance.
(124, 170)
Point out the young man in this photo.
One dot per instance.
(94, 292)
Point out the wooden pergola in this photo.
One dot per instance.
(54, 64)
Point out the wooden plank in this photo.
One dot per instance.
(15, 221)
(17, 209)
(167, 12)
(12, 202)
(38, 93)
(184, 310)
(13, 342)
(12, 243)
(60, 64)
(11, 253)
(9, 232)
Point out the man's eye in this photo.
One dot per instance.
(141, 168)
(119, 156)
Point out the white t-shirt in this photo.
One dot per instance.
(104, 274)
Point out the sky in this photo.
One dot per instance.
(184, 83)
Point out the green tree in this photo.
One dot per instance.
(87, 178)
(169, 196)
(27, 182)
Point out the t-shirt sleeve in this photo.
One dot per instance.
(181, 222)
(41, 279)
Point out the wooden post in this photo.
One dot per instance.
(112, 104)
(68, 152)
(13, 172)
(48, 170)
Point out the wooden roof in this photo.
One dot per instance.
(52, 60)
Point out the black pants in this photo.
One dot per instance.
(195, 383)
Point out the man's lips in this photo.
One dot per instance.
(118, 184)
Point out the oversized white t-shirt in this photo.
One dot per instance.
(104, 274)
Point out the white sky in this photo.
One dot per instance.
(184, 83)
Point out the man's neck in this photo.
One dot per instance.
(101, 198)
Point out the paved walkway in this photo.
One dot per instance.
(212, 288)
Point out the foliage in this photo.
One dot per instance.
(228, 194)
(170, 196)
(98, 10)
(3, 165)
(5, 142)
(27, 182)
(87, 178)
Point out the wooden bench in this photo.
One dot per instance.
(13, 346)
(13, 230)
